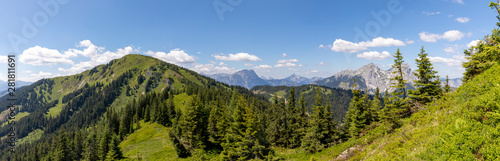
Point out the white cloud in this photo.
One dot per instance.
(431, 13)
(2, 77)
(285, 65)
(473, 43)
(248, 64)
(322, 64)
(176, 56)
(462, 19)
(238, 57)
(349, 47)
(321, 46)
(3, 59)
(312, 71)
(458, 1)
(451, 35)
(449, 49)
(37, 76)
(374, 55)
(287, 61)
(455, 61)
(284, 55)
(211, 69)
(263, 67)
(410, 41)
(43, 56)
(222, 64)
(97, 56)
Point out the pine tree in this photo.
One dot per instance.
(428, 85)
(293, 120)
(375, 107)
(447, 87)
(313, 140)
(242, 142)
(61, 149)
(114, 152)
(104, 144)
(354, 119)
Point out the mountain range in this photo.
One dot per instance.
(4, 86)
(248, 78)
(368, 77)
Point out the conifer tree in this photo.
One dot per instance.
(316, 132)
(293, 120)
(375, 106)
(447, 87)
(242, 141)
(427, 85)
(354, 118)
(396, 106)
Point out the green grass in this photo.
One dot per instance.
(17, 117)
(32, 136)
(151, 142)
(462, 125)
(181, 101)
(54, 111)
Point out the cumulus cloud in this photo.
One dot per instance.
(176, 56)
(37, 76)
(263, 67)
(248, 64)
(3, 59)
(44, 56)
(349, 47)
(322, 64)
(97, 56)
(285, 65)
(455, 61)
(284, 55)
(211, 69)
(449, 49)
(473, 43)
(2, 77)
(451, 35)
(374, 55)
(458, 1)
(237, 57)
(287, 61)
(222, 64)
(410, 41)
(431, 13)
(462, 19)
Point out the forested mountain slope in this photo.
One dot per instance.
(338, 98)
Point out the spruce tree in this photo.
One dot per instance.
(316, 132)
(428, 85)
(242, 142)
(354, 119)
(293, 120)
(447, 87)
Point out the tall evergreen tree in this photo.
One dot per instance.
(447, 87)
(355, 118)
(242, 141)
(313, 140)
(428, 85)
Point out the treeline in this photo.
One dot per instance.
(84, 109)
(398, 104)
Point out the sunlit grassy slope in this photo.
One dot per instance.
(460, 126)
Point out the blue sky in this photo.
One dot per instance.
(275, 38)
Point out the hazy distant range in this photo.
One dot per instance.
(369, 77)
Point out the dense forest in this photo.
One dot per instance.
(89, 116)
